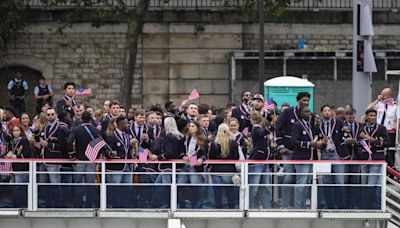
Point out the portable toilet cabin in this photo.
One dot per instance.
(284, 89)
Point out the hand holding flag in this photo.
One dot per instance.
(269, 104)
(143, 153)
(193, 160)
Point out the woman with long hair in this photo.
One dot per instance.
(20, 148)
(171, 146)
(239, 137)
(260, 195)
(194, 154)
(224, 148)
(26, 125)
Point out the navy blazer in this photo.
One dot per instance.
(260, 144)
(215, 153)
(132, 133)
(337, 134)
(172, 148)
(61, 105)
(123, 151)
(380, 134)
(56, 141)
(81, 138)
(300, 141)
(354, 149)
(21, 149)
(242, 116)
(284, 126)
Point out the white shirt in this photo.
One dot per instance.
(192, 147)
(391, 115)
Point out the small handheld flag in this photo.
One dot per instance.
(269, 104)
(93, 148)
(366, 148)
(142, 154)
(5, 168)
(194, 95)
(193, 160)
(80, 91)
(245, 131)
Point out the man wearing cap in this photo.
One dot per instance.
(387, 115)
(283, 137)
(242, 113)
(377, 139)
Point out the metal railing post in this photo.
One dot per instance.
(174, 189)
(242, 195)
(103, 188)
(246, 187)
(34, 187)
(314, 189)
(383, 187)
(31, 183)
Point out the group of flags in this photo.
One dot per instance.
(94, 147)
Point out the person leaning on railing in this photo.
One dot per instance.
(19, 148)
(377, 139)
(171, 146)
(194, 154)
(224, 148)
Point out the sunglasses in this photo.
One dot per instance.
(51, 114)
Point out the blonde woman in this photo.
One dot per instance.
(224, 148)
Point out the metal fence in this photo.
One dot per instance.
(256, 185)
(215, 4)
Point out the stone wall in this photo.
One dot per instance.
(174, 58)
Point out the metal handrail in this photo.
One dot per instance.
(219, 4)
(243, 175)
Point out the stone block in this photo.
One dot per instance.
(217, 71)
(220, 87)
(181, 86)
(155, 86)
(155, 28)
(220, 56)
(155, 56)
(219, 101)
(191, 56)
(155, 41)
(184, 71)
(154, 99)
(183, 41)
(156, 71)
(233, 41)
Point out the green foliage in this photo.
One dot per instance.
(12, 22)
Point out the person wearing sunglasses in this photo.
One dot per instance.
(53, 145)
(242, 113)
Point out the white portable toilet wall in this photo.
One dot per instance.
(284, 89)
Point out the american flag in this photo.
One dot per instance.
(245, 131)
(193, 160)
(82, 91)
(365, 146)
(142, 154)
(269, 104)
(93, 148)
(5, 168)
(194, 95)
